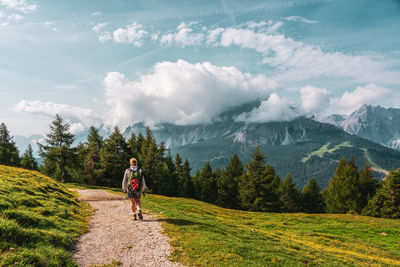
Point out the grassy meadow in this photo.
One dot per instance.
(204, 234)
(39, 219)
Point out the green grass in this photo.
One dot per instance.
(39, 219)
(325, 149)
(203, 234)
(371, 162)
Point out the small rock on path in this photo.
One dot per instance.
(114, 236)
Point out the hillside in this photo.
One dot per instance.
(205, 234)
(374, 123)
(286, 144)
(40, 219)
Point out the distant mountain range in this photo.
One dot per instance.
(377, 124)
(304, 147)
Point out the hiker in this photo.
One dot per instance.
(134, 184)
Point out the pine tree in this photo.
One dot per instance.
(386, 202)
(204, 183)
(181, 190)
(228, 184)
(9, 154)
(368, 185)
(289, 195)
(133, 146)
(259, 185)
(344, 190)
(114, 158)
(57, 150)
(188, 188)
(151, 162)
(28, 161)
(311, 198)
(168, 182)
(91, 156)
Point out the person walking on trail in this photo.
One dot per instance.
(134, 184)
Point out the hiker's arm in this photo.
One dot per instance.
(124, 182)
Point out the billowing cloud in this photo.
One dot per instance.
(132, 34)
(78, 115)
(370, 94)
(272, 109)
(19, 5)
(314, 99)
(184, 36)
(180, 92)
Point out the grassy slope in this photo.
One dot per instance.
(204, 234)
(325, 149)
(39, 219)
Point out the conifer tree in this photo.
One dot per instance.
(181, 191)
(311, 197)
(91, 156)
(344, 190)
(114, 158)
(289, 195)
(188, 189)
(58, 151)
(168, 182)
(28, 161)
(228, 184)
(368, 185)
(386, 202)
(204, 183)
(133, 146)
(150, 161)
(9, 154)
(259, 185)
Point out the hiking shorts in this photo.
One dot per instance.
(133, 194)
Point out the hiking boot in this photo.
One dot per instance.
(134, 217)
(140, 215)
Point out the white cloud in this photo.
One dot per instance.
(297, 61)
(77, 114)
(19, 5)
(272, 109)
(98, 27)
(184, 36)
(15, 17)
(370, 94)
(180, 92)
(105, 37)
(132, 34)
(314, 99)
(301, 19)
(76, 127)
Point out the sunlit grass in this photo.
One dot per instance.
(325, 149)
(203, 234)
(40, 219)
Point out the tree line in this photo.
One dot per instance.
(253, 186)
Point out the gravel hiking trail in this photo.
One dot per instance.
(114, 236)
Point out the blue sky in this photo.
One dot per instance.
(119, 62)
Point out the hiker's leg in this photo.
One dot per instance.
(138, 204)
(132, 203)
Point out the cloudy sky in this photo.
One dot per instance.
(119, 62)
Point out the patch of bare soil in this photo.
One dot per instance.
(114, 235)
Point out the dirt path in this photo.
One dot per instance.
(114, 236)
